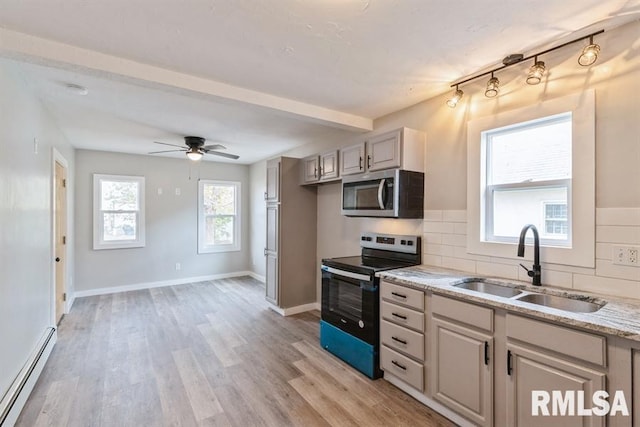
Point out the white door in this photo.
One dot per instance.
(352, 159)
(384, 151)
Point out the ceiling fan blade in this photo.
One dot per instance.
(165, 151)
(229, 156)
(214, 147)
(164, 143)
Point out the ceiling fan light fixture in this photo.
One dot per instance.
(194, 154)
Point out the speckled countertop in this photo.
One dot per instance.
(619, 317)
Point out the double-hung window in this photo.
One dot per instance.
(528, 180)
(534, 165)
(218, 216)
(118, 211)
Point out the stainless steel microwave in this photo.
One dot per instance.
(393, 193)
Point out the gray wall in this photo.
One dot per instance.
(25, 220)
(171, 222)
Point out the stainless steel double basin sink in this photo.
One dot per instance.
(573, 304)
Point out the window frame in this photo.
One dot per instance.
(545, 218)
(581, 197)
(236, 246)
(98, 214)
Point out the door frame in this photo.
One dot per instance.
(56, 156)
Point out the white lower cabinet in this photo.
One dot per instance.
(488, 365)
(402, 343)
(536, 371)
(462, 359)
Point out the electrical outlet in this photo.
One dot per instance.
(178, 266)
(159, 191)
(177, 191)
(626, 255)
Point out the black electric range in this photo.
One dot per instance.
(350, 325)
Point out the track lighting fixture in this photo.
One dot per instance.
(589, 53)
(588, 56)
(536, 72)
(492, 87)
(457, 96)
(194, 154)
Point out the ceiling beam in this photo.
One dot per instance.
(28, 48)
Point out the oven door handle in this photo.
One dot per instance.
(381, 188)
(345, 273)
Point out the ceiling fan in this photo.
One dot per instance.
(195, 148)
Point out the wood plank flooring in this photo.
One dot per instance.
(205, 354)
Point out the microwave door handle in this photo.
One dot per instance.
(381, 188)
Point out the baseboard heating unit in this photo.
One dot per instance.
(15, 398)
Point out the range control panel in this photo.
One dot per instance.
(390, 242)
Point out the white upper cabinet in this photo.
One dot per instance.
(320, 167)
(402, 148)
(273, 181)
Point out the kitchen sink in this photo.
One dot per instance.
(479, 285)
(561, 303)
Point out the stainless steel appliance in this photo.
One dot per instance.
(393, 193)
(350, 307)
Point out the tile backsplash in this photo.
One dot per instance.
(445, 240)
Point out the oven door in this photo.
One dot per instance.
(350, 302)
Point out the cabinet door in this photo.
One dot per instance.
(329, 165)
(272, 194)
(383, 152)
(534, 370)
(462, 370)
(352, 159)
(272, 279)
(271, 254)
(310, 169)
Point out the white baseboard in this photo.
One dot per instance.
(160, 284)
(258, 277)
(441, 409)
(13, 401)
(295, 310)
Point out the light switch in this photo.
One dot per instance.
(159, 191)
(177, 191)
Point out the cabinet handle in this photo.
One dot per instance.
(398, 295)
(265, 251)
(321, 172)
(486, 352)
(404, 368)
(399, 315)
(315, 172)
(360, 164)
(265, 195)
(369, 162)
(509, 361)
(399, 340)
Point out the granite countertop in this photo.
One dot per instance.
(618, 317)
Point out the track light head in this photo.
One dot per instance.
(493, 86)
(536, 72)
(589, 54)
(457, 96)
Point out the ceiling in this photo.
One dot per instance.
(262, 77)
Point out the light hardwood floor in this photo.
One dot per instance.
(208, 354)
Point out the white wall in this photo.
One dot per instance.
(171, 222)
(615, 80)
(25, 220)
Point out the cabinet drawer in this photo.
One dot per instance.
(403, 316)
(580, 345)
(471, 314)
(402, 339)
(402, 295)
(402, 367)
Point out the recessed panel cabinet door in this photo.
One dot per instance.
(532, 370)
(273, 182)
(352, 159)
(384, 151)
(271, 253)
(310, 169)
(272, 279)
(462, 371)
(329, 165)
